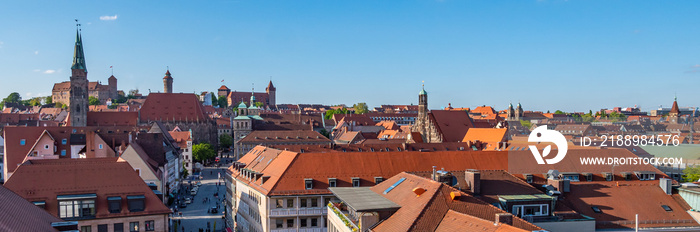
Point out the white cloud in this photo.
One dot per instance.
(108, 18)
(36, 52)
(49, 71)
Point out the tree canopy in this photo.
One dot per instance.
(203, 151)
(222, 102)
(360, 108)
(93, 101)
(225, 141)
(691, 174)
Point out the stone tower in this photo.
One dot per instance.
(167, 82)
(423, 124)
(78, 85)
(112, 87)
(674, 115)
(511, 113)
(271, 94)
(519, 113)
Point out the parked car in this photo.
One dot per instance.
(193, 192)
(183, 205)
(199, 183)
(188, 200)
(214, 210)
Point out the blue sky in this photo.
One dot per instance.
(549, 54)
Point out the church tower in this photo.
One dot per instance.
(674, 115)
(271, 95)
(519, 113)
(78, 85)
(511, 113)
(167, 82)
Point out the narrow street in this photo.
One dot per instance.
(196, 215)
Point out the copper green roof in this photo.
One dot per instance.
(241, 117)
(422, 92)
(78, 53)
(242, 105)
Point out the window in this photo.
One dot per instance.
(136, 203)
(608, 176)
(115, 204)
(279, 223)
(309, 183)
(102, 228)
(100, 146)
(64, 141)
(378, 179)
(314, 222)
(76, 208)
(332, 182)
(668, 209)
(326, 200)
(528, 178)
(290, 223)
(118, 227)
(86, 229)
(40, 204)
(531, 210)
(290, 203)
(571, 177)
(302, 203)
(22, 142)
(302, 222)
(133, 226)
(314, 202)
(280, 203)
(596, 209)
(150, 225)
(355, 182)
(46, 146)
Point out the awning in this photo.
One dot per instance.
(77, 196)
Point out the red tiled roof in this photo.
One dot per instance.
(172, 107)
(223, 87)
(223, 122)
(466, 222)
(181, 138)
(301, 136)
(112, 118)
(453, 125)
(674, 108)
(621, 203)
(20, 215)
(488, 135)
(427, 211)
(44, 180)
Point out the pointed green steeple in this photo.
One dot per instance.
(78, 53)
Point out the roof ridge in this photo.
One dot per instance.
(286, 168)
(432, 198)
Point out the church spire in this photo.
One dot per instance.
(78, 53)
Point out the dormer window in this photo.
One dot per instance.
(308, 183)
(332, 182)
(646, 175)
(378, 179)
(570, 176)
(608, 176)
(355, 182)
(23, 142)
(64, 141)
(115, 204)
(529, 178)
(589, 176)
(627, 175)
(136, 203)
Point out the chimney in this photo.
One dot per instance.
(504, 218)
(473, 178)
(665, 185)
(557, 184)
(433, 176)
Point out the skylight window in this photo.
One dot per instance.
(668, 209)
(596, 209)
(394, 185)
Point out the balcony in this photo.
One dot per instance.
(297, 211)
(340, 217)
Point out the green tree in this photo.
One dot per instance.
(360, 108)
(120, 99)
(93, 101)
(35, 101)
(12, 98)
(48, 100)
(203, 151)
(59, 105)
(225, 141)
(691, 174)
(329, 114)
(185, 173)
(525, 123)
(132, 93)
(214, 101)
(559, 112)
(223, 103)
(259, 104)
(324, 132)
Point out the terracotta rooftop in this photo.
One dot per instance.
(300, 136)
(112, 118)
(453, 125)
(427, 211)
(489, 135)
(21, 215)
(44, 180)
(172, 107)
(466, 222)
